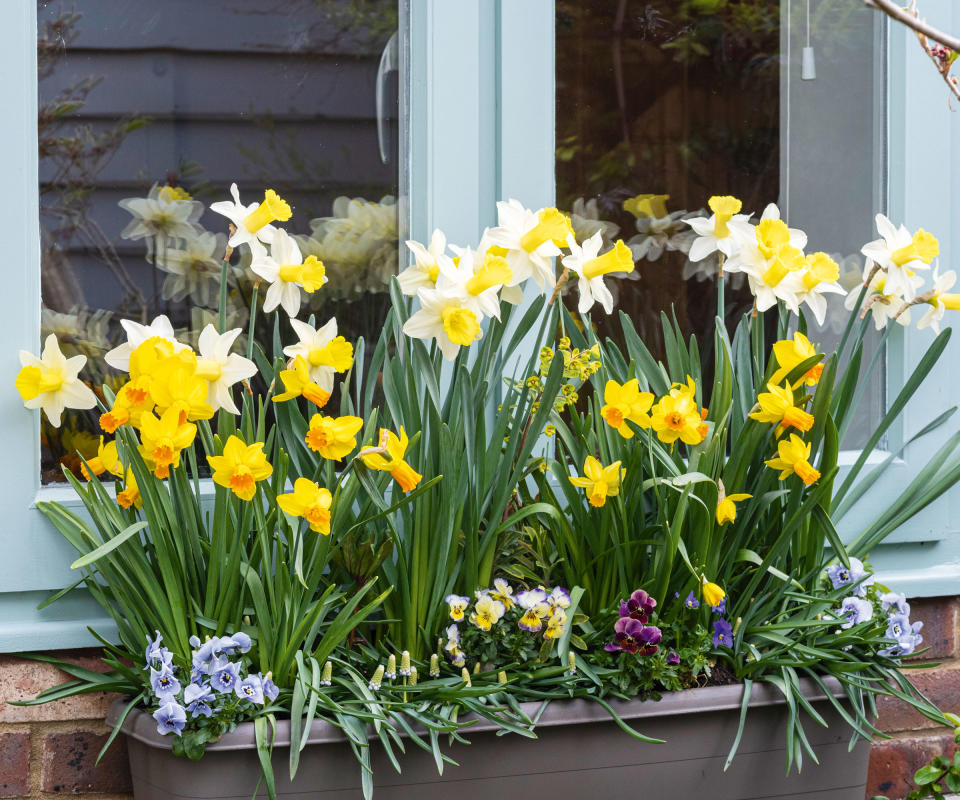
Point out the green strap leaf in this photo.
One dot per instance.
(109, 546)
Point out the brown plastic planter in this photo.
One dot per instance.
(579, 753)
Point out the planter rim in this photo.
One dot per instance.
(140, 726)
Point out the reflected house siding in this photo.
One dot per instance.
(274, 94)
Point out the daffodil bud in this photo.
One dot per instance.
(327, 678)
(405, 663)
(391, 672)
(465, 677)
(413, 676)
(572, 662)
(736, 625)
(377, 678)
(246, 619)
(434, 666)
(476, 668)
(501, 677)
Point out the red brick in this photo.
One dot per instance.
(939, 616)
(21, 679)
(893, 762)
(941, 685)
(69, 764)
(14, 764)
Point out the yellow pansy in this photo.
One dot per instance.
(777, 407)
(164, 438)
(724, 207)
(310, 501)
(333, 437)
(598, 481)
(556, 625)
(676, 416)
(106, 460)
(712, 594)
(624, 403)
(487, 612)
(458, 605)
(388, 457)
(297, 383)
(792, 352)
(240, 467)
(503, 592)
(130, 496)
(794, 458)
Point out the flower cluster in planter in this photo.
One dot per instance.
(666, 518)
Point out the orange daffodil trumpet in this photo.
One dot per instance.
(777, 407)
(626, 403)
(676, 416)
(599, 482)
(790, 353)
(310, 501)
(297, 383)
(333, 437)
(794, 459)
(240, 467)
(388, 457)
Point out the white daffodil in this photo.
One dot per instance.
(165, 212)
(478, 277)
(531, 240)
(773, 264)
(819, 278)
(326, 353)
(446, 316)
(194, 268)
(585, 221)
(899, 254)
(50, 382)
(253, 222)
(216, 364)
(939, 299)
(591, 267)
(423, 273)
(287, 272)
(137, 334)
(714, 233)
(883, 307)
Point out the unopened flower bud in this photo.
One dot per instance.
(476, 668)
(377, 678)
(736, 625)
(413, 676)
(465, 677)
(434, 666)
(391, 672)
(572, 662)
(405, 663)
(501, 677)
(327, 678)
(246, 619)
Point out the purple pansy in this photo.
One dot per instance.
(722, 633)
(225, 680)
(895, 600)
(840, 575)
(237, 642)
(156, 655)
(907, 642)
(251, 688)
(720, 609)
(270, 688)
(691, 601)
(854, 610)
(209, 657)
(640, 606)
(632, 636)
(170, 718)
(164, 683)
(673, 658)
(199, 700)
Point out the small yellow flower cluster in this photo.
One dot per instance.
(578, 366)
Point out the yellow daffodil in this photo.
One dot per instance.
(450, 316)
(714, 232)
(712, 594)
(531, 239)
(129, 405)
(286, 271)
(298, 383)
(794, 458)
(487, 612)
(388, 457)
(726, 508)
(253, 222)
(792, 352)
(130, 496)
(164, 438)
(106, 460)
(310, 501)
(598, 481)
(324, 351)
(175, 384)
(240, 467)
(653, 206)
(50, 382)
(590, 267)
(777, 407)
(676, 416)
(333, 437)
(900, 254)
(623, 403)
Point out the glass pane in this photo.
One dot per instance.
(148, 113)
(662, 104)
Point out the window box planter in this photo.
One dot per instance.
(579, 753)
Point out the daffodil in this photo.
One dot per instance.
(477, 278)
(487, 612)
(50, 382)
(129, 404)
(883, 304)
(713, 232)
(599, 482)
(900, 254)
(531, 239)
(253, 222)
(333, 437)
(176, 384)
(130, 494)
(726, 504)
(676, 416)
(647, 205)
(778, 408)
(310, 501)
(794, 458)
(426, 267)
(819, 278)
(712, 594)
(241, 467)
(585, 221)
(137, 334)
(449, 317)
(590, 267)
(221, 368)
(106, 460)
(623, 403)
(458, 605)
(388, 457)
(193, 268)
(297, 383)
(287, 272)
(164, 213)
(657, 235)
(790, 353)
(324, 351)
(939, 300)
(163, 438)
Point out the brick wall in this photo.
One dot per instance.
(49, 750)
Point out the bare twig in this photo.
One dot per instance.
(911, 19)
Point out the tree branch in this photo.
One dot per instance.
(911, 20)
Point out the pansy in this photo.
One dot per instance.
(673, 659)
(632, 636)
(250, 688)
(156, 653)
(452, 647)
(225, 679)
(840, 575)
(900, 254)
(458, 605)
(854, 610)
(325, 352)
(199, 699)
(487, 612)
(639, 606)
(209, 658)
(238, 642)
(253, 221)
(559, 598)
(590, 267)
(503, 592)
(691, 601)
(536, 609)
(722, 633)
(626, 403)
(556, 624)
(426, 267)
(531, 240)
(895, 600)
(221, 368)
(720, 608)
(164, 683)
(170, 717)
(906, 643)
(50, 382)
(287, 272)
